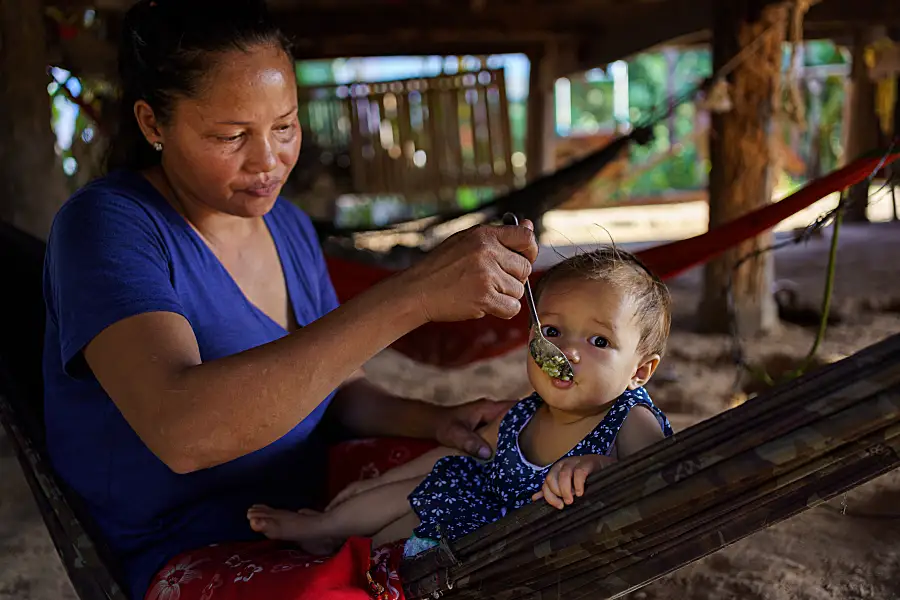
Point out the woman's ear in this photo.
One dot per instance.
(644, 372)
(148, 123)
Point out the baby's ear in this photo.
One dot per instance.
(644, 372)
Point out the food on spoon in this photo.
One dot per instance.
(553, 365)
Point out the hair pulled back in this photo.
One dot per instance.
(166, 50)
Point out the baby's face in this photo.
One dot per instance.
(594, 324)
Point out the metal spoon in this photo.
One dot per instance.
(548, 357)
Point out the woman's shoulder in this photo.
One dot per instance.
(121, 183)
(117, 201)
(112, 217)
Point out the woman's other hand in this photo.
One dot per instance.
(459, 427)
(477, 272)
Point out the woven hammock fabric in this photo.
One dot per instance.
(690, 495)
(451, 345)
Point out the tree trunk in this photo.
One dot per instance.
(862, 133)
(32, 180)
(741, 153)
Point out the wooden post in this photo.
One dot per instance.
(862, 129)
(741, 177)
(541, 132)
(34, 185)
(540, 144)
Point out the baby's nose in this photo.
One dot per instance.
(572, 354)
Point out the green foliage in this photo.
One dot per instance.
(592, 104)
(682, 170)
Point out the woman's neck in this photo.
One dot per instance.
(217, 228)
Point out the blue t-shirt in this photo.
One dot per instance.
(117, 249)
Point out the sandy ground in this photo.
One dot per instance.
(819, 555)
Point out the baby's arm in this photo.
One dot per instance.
(565, 480)
(640, 429)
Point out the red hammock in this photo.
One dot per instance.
(452, 345)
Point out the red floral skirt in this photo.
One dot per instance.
(270, 570)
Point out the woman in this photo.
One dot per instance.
(194, 340)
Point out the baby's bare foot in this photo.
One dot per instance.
(303, 527)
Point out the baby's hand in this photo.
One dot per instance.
(568, 476)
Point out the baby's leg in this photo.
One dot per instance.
(322, 533)
(400, 529)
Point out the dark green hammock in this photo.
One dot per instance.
(677, 501)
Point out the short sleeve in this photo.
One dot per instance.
(106, 261)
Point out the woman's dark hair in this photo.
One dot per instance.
(166, 50)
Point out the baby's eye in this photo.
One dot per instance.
(550, 331)
(599, 341)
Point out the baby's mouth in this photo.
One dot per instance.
(560, 384)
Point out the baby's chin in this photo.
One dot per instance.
(573, 403)
(566, 395)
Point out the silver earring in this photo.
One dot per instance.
(157, 146)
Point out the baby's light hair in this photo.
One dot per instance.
(623, 270)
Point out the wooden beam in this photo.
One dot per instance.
(853, 13)
(380, 22)
(645, 26)
(649, 25)
(741, 155)
(601, 31)
(442, 43)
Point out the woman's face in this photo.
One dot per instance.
(232, 146)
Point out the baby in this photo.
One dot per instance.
(611, 318)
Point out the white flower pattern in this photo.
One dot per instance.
(234, 562)
(168, 586)
(247, 572)
(462, 494)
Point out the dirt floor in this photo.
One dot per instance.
(819, 555)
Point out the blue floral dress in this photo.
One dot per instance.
(462, 494)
